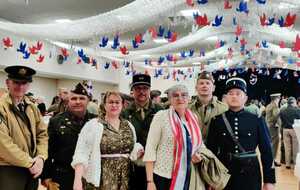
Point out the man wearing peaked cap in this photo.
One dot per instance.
(20, 73)
(140, 113)
(24, 139)
(234, 136)
(63, 132)
(206, 105)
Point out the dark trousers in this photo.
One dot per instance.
(64, 177)
(138, 179)
(17, 178)
(161, 183)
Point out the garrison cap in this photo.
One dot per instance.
(206, 75)
(80, 89)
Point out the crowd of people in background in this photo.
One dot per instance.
(143, 141)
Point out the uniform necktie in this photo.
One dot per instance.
(142, 113)
(21, 107)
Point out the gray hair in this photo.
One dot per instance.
(177, 87)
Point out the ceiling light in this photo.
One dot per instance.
(63, 20)
(160, 40)
(189, 12)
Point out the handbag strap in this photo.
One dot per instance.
(229, 129)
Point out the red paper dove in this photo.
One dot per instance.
(239, 30)
(39, 45)
(64, 52)
(114, 64)
(281, 44)
(124, 50)
(173, 37)
(290, 20)
(257, 45)
(40, 59)
(202, 20)
(190, 3)
(243, 41)
(138, 38)
(33, 50)
(7, 42)
(263, 20)
(153, 32)
(227, 5)
(297, 44)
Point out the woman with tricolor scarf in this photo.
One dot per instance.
(173, 144)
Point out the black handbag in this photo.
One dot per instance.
(246, 161)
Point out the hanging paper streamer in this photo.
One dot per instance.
(191, 52)
(264, 44)
(65, 53)
(238, 30)
(26, 55)
(202, 52)
(190, 3)
(281, 44)
(33, 50)
(114, 64)
(271, 21)
(153, 32)
(281, 21)
(22, 47)
(106, 65)
(161, 60)
(39, 46)
(182, 54)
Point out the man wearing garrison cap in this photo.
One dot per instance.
(63, 133)
(206, 106)
(23, 135)
(140, 113)
(234, 136)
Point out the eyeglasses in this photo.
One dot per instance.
(141, 88)
(178, 95)
(114, 102)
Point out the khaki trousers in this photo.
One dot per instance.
(291, 146)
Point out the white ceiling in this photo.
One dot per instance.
(47, 11)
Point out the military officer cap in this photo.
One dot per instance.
(20, 73)
(141, 79)
(275, 95)
(80, 89)
(236, 82)
(155, 93)
(206, 75)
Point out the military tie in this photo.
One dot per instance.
(142, 114)
(21, 107)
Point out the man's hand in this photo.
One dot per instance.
(268, 186)
(196, 158)
(37, 167)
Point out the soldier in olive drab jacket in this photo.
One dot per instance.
(63, 134)
(272, 119)
(140, 113)
(23, 135)
(206, 106)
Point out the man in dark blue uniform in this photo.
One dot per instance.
(63, 132)
(236, 149)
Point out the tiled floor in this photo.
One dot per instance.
(285, 180)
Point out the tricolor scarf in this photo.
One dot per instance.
(187, 139)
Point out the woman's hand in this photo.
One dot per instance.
(140, 153)
(77, 184)
(196, 158)
(151, 186)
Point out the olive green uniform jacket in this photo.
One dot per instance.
(21, 137)
(206, 113)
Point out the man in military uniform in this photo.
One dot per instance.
(140, 113)
(63, 134)
(23, 135)
(272, 119)
(61, 106)
(236, 147)
(206, 106)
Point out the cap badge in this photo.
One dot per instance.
(22, 71)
